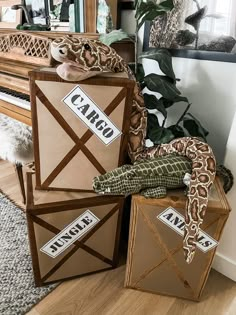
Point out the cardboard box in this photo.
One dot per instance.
(71, 233)
(80, 129)
(156, 261)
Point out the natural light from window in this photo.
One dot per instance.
(223, 17)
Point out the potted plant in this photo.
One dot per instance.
(164, 84)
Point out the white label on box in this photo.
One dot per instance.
(69, 234)
(93, 117)
(176, 222)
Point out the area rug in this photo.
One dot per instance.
(18, 293)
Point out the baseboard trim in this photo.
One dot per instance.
(225, 265)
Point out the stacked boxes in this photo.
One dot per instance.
(156, 261)
(71, 234)
(80, 131)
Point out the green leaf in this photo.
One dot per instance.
(152, 121)
(162, 85)
(151, 102)
(206, 132)
(164, 59)
(140, 71)
(166, 5)
(160, 135)
(194, 127)
(137, 3)
(177, 99)
(144, 7)
(112, 37)
(166, 136)
(167, 103)
(181, 99)
(148, 11)
(149, 16)
(177, 131)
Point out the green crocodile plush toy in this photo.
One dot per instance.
(151, 178)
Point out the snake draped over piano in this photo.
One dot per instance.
(82, 58)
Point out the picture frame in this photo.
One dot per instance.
(9, 18)
(39, 11)
(217, 32)
(59, 15)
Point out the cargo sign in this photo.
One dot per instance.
(69, 234)
(93, 117)
(176, 222)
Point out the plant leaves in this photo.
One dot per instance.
(151, 102)
(166, 136)
(112, 37)
(196, 18)
(140, 71)
(152, 124)
(164, 59)
(152, 121)
(166, 5)
(177, 131)
(181, 99)
(148, 11)
(160, 135)
(162, 85)
(206, 132)
(194, 127)
(137, 3)
(168, 103)
(156, 133)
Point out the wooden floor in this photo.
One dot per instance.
(103, 293)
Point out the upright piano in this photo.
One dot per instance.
(21, 52)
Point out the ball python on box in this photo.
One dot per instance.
(82, 58)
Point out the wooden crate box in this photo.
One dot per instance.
(71, 233)
(156, 261)
(80, 129)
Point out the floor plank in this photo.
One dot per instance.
(104, 294)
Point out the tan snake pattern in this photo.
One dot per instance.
(82, 58)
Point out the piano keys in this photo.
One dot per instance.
(20, 52)
(14, 93)
(16, 98)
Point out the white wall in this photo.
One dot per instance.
(128, 21)
(210, 87)
(225, 260)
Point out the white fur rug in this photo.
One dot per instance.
(15, 140)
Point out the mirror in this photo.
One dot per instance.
(203, 25)
(74, 16)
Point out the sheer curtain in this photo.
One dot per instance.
(224, 10)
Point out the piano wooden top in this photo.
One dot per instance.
(23, 51)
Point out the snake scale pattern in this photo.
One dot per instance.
(82, 58)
